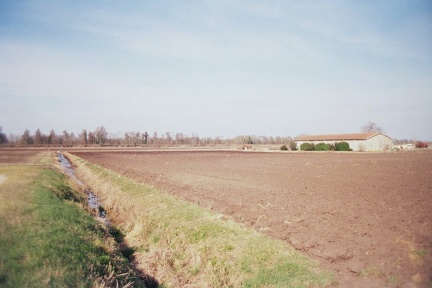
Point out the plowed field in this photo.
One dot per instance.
(365, 216)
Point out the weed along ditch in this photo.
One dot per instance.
(94, 204)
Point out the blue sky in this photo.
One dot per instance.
(217, 68)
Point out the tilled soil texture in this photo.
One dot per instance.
(365, 216)
(16, 156)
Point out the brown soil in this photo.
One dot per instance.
(365, 216)
(16, 156)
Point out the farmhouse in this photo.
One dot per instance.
(370, 141)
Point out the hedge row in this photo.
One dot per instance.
(338, 146)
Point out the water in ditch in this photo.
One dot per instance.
(93, 201)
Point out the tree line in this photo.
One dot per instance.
(101, 137)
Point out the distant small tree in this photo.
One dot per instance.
(293, 145)
(83, 137)
(72, 139)
(91, 138)
(26, 138)
(52, 138)
(372, 127)
(145, 136)
(101, 135)
(14, 139)
(168, 137)
(155, 138)
(38, 137)
(3, 137)
(66, 138)
(247, 140)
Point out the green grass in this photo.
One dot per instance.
(178, 242)
(47, 239)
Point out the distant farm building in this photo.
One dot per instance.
(370, 141)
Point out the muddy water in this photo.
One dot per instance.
(93, 201)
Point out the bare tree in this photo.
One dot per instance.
(168, 138)
(83, 137)
(101, 135)
(66, 138)
(91, 138)
(72, 139)
(372, 127)
(132, 138)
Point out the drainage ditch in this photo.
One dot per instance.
(93, 201)
(94, 204)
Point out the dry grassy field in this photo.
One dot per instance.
(365, 216)
(47, 237)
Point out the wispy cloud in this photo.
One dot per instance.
(277, 59)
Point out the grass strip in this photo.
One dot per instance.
(47, 241)
(180, 244)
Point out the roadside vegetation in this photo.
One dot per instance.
(178, 243)
(47, 239)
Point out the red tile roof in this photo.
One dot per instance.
(338, 137)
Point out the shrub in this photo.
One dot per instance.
(284, 148)
(307, 146)
(322, 147)
(421, 144)
(292, 145)
(342, 146)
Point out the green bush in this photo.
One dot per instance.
(342, 146)
(322, 147)
(307, 146)
(284, 148)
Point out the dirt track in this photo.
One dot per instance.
(357, 213)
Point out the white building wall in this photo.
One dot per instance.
(378, 143)
(357, 145)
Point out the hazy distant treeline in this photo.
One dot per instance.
(100, 136)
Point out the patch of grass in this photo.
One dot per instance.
(393, 280)
(48, 241)
(419, 253)
(283, 274)
(179, 243)
(372, 271)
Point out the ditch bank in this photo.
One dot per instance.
(95, 207)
